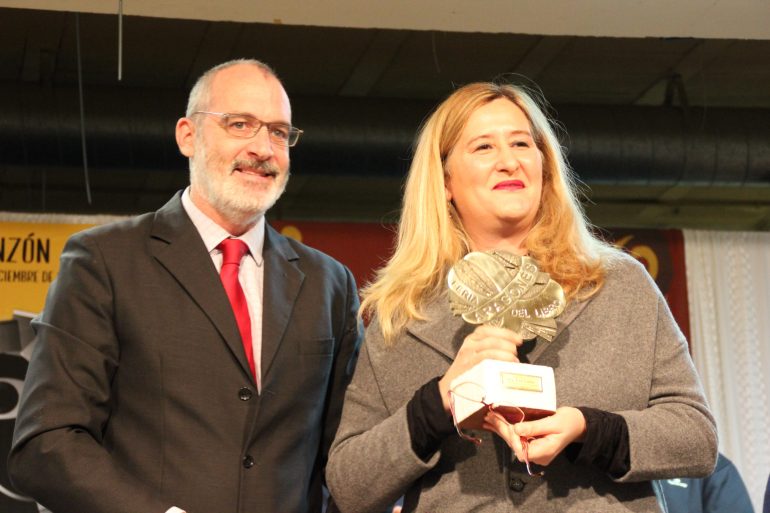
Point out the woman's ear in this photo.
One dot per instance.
(447, 185)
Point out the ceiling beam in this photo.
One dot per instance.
(542, 53)
(689, 69)
(216, 46)
(41, 47)
(373, 62)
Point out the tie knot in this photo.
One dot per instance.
(232, 251)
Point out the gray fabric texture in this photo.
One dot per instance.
(620, 351)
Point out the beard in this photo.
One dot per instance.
(230, 198)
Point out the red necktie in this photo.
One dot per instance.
(232, 253)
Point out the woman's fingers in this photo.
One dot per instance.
(493, 331)
(488, 338)
(484, 343)
(546, 437)
(497, 424)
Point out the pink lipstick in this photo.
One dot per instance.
(509, 185)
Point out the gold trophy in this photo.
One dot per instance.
(501, 289)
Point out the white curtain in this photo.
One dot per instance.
(728, 282)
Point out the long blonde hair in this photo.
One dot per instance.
(431, 237)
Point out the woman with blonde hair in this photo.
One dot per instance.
(489, 174)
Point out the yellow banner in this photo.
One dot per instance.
(29, 262)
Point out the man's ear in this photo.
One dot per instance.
(185, 136)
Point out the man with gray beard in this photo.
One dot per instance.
(193, 359)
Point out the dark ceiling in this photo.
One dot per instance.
(665, 132)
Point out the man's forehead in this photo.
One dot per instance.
(244, 87)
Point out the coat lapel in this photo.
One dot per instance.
(176, 244)
(441, 330)
(282, 283)
(565, 319)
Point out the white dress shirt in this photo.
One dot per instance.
(250, 274)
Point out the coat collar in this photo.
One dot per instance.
(440, 329)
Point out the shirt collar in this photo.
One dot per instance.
(212, 234)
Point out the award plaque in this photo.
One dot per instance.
(518, 391)
(501, 289)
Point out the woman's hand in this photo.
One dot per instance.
(545, 437)
(485, 343)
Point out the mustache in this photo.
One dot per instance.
(267, 168)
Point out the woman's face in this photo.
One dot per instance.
(495, 175)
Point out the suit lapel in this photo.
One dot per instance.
(282, 283)
(176, 244)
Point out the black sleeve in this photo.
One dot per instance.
(605, 445)
(428, 423)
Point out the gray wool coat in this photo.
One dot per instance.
(619, 351)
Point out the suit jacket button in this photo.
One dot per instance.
(516, 484)
(245, 393)
(248, 461)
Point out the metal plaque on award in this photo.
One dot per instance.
(505, 290)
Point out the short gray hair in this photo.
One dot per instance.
(199, 94)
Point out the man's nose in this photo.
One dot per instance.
(260, 145)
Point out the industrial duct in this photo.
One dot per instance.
(133, 130)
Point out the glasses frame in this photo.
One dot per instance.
(290, 142)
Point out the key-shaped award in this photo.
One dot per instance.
(505, 290)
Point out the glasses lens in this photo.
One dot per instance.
(279, 133)
(283, 134)
(241, 126)
(293, 136)
(245, 127)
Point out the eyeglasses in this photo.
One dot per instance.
(245, 126)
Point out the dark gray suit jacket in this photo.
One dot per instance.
(138, 396)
